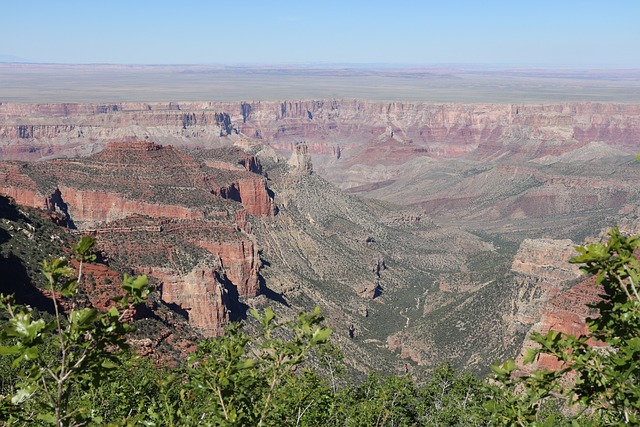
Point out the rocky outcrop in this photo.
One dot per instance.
(300, 160)
(423, 129)
(542, 271)
(204, 266)
(240, 262)
(546, 260)
(161, 211)
(200, 294)
(564, 312)
(252, 193)
(549, 297)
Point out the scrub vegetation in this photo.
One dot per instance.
(72, 366)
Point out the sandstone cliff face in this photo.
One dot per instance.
(240, 262)
(548, 300)
(300, 160)
(546, 260)
(161, 210)
(200, 294)
(252, 193)
(94, 207)
(564, 312)
(203, 265)
(542, 272)
(445, 130)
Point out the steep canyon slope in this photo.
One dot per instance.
(432, 265)
(473, 162)
(372, 266)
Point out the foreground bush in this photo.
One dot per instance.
(73, 368)
(600, 381)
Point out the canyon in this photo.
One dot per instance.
(150, 205)
(424, 231)
(529, 161)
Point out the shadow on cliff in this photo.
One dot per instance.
(173, 307)
(270, 293)
(4, 236)
(56, 201)
(16, 281)
(14, 277)
(9, 211)
(272, 196)
(237, 309)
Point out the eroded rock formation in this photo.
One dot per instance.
(546, 260)
(414, 129)
(554, 171)
(300, 160)
(137, 192)
(199, 293)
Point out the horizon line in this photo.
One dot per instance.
(333, 65)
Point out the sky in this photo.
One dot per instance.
(558, 33)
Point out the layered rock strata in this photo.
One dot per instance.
(137, 192)
(330, 127)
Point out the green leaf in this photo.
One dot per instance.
(84, 317)
(22, 326)
(505, 369)
(83, 247)
(269, 315)
(31, 353)
(136, 287)
(321, 335)
(23, 394)
(8, 351)
(530, 355)
(113, 312)
(55, 269)
(108, 364)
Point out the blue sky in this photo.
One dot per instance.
(555, 33)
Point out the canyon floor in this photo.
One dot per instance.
(430, 213)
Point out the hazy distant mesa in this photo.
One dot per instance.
(44, 83)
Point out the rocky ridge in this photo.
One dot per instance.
(506, 172)
(167, 213)
(516, 162)
(337, 128)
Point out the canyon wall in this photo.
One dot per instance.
(546, 260)
(553, 294)
(478, 161)
(330, 127)
(555, 171)
(165, 213)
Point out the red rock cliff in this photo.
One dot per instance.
(31, 131)
(156, 207)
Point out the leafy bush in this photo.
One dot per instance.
(601, 380)
(84, 344)
(72, 368)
